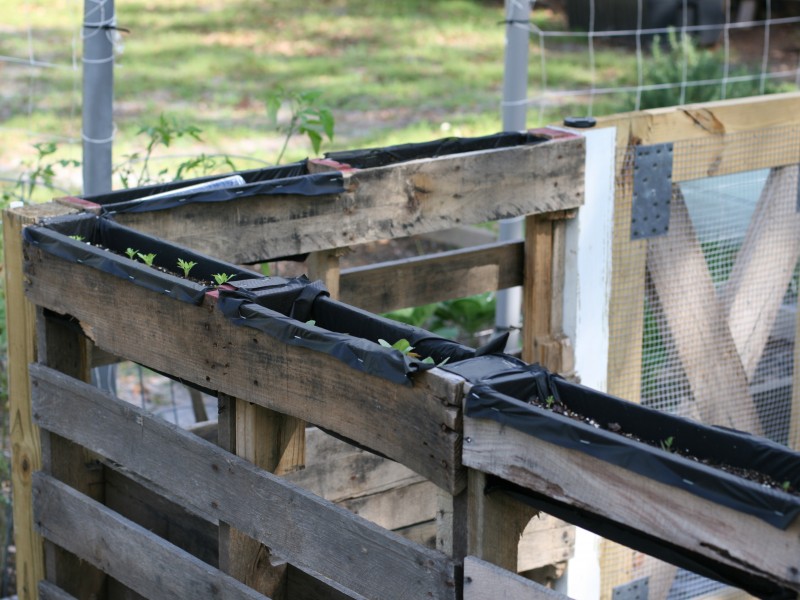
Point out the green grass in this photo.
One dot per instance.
(392, 72)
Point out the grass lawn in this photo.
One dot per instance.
(392, 72)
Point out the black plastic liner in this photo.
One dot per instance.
(361, 354)
(103, 247)
(301, 313)
(648, 544)
(250, 176)
(380, 157)
(504, 398)
(318, 184)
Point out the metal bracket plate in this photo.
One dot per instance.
(652, 190)
(638, 589)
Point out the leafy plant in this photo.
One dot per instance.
(186, 266)
(163, 133)
(131, 253)
(147, 258)
(678, 59)
(223, 278)
(41, 173)
(405, 347)
(307, 116)
(667, 444)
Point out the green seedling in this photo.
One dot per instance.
(667, 444)
(78, 238)
(786, 485)
(405, 347)
(186, 266)
(429, 361)
(131, 253)
(147, 258)
(402, 345)
(223, 278)
(549, 401)
(311, 322)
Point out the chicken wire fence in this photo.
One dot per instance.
(628, 55)
(714, 336)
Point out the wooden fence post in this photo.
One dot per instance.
(62, 346)
(26, 453)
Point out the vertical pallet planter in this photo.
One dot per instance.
(124, 309)
(585, 458)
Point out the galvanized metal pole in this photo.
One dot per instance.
(99, 23)
(515, 93)
(97, 130)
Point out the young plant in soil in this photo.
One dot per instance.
(147, 258)
(186, 266)
(223, 278)
(405, 347)
(131, 253)
(667, 445)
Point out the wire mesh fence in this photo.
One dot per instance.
(710, 331)
(626, 55)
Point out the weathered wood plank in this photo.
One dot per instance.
(26, 453)
(543, 336)
(172, 522)
(338, 471)
(698, 326)
(305, 586)
(62, 346)
(484, 580)
(423, 280)
(537, 292)
(668, 513)
(131, 554)
(545, 541)
(274, 442)
(417, 426)
(495, 522)
(397, 508)
(721, 137)
(381, 203)
(308, 531)
(754, 292)
(49, 591)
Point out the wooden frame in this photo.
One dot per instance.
(708, 140)
(262, 431)
(421, 196)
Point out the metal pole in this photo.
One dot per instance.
(98, 94)
(97, 130)
(515, 93)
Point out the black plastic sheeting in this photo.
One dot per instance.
(294, 311)
(380, 157)
(503, 398)
(318, 184)
(250, 176)
(108, 255)
(301, 313)
(651, 545)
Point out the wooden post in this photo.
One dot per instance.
(495, 523)
(274, 442)
(62, 346)
(25, 445)
(543, 339)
